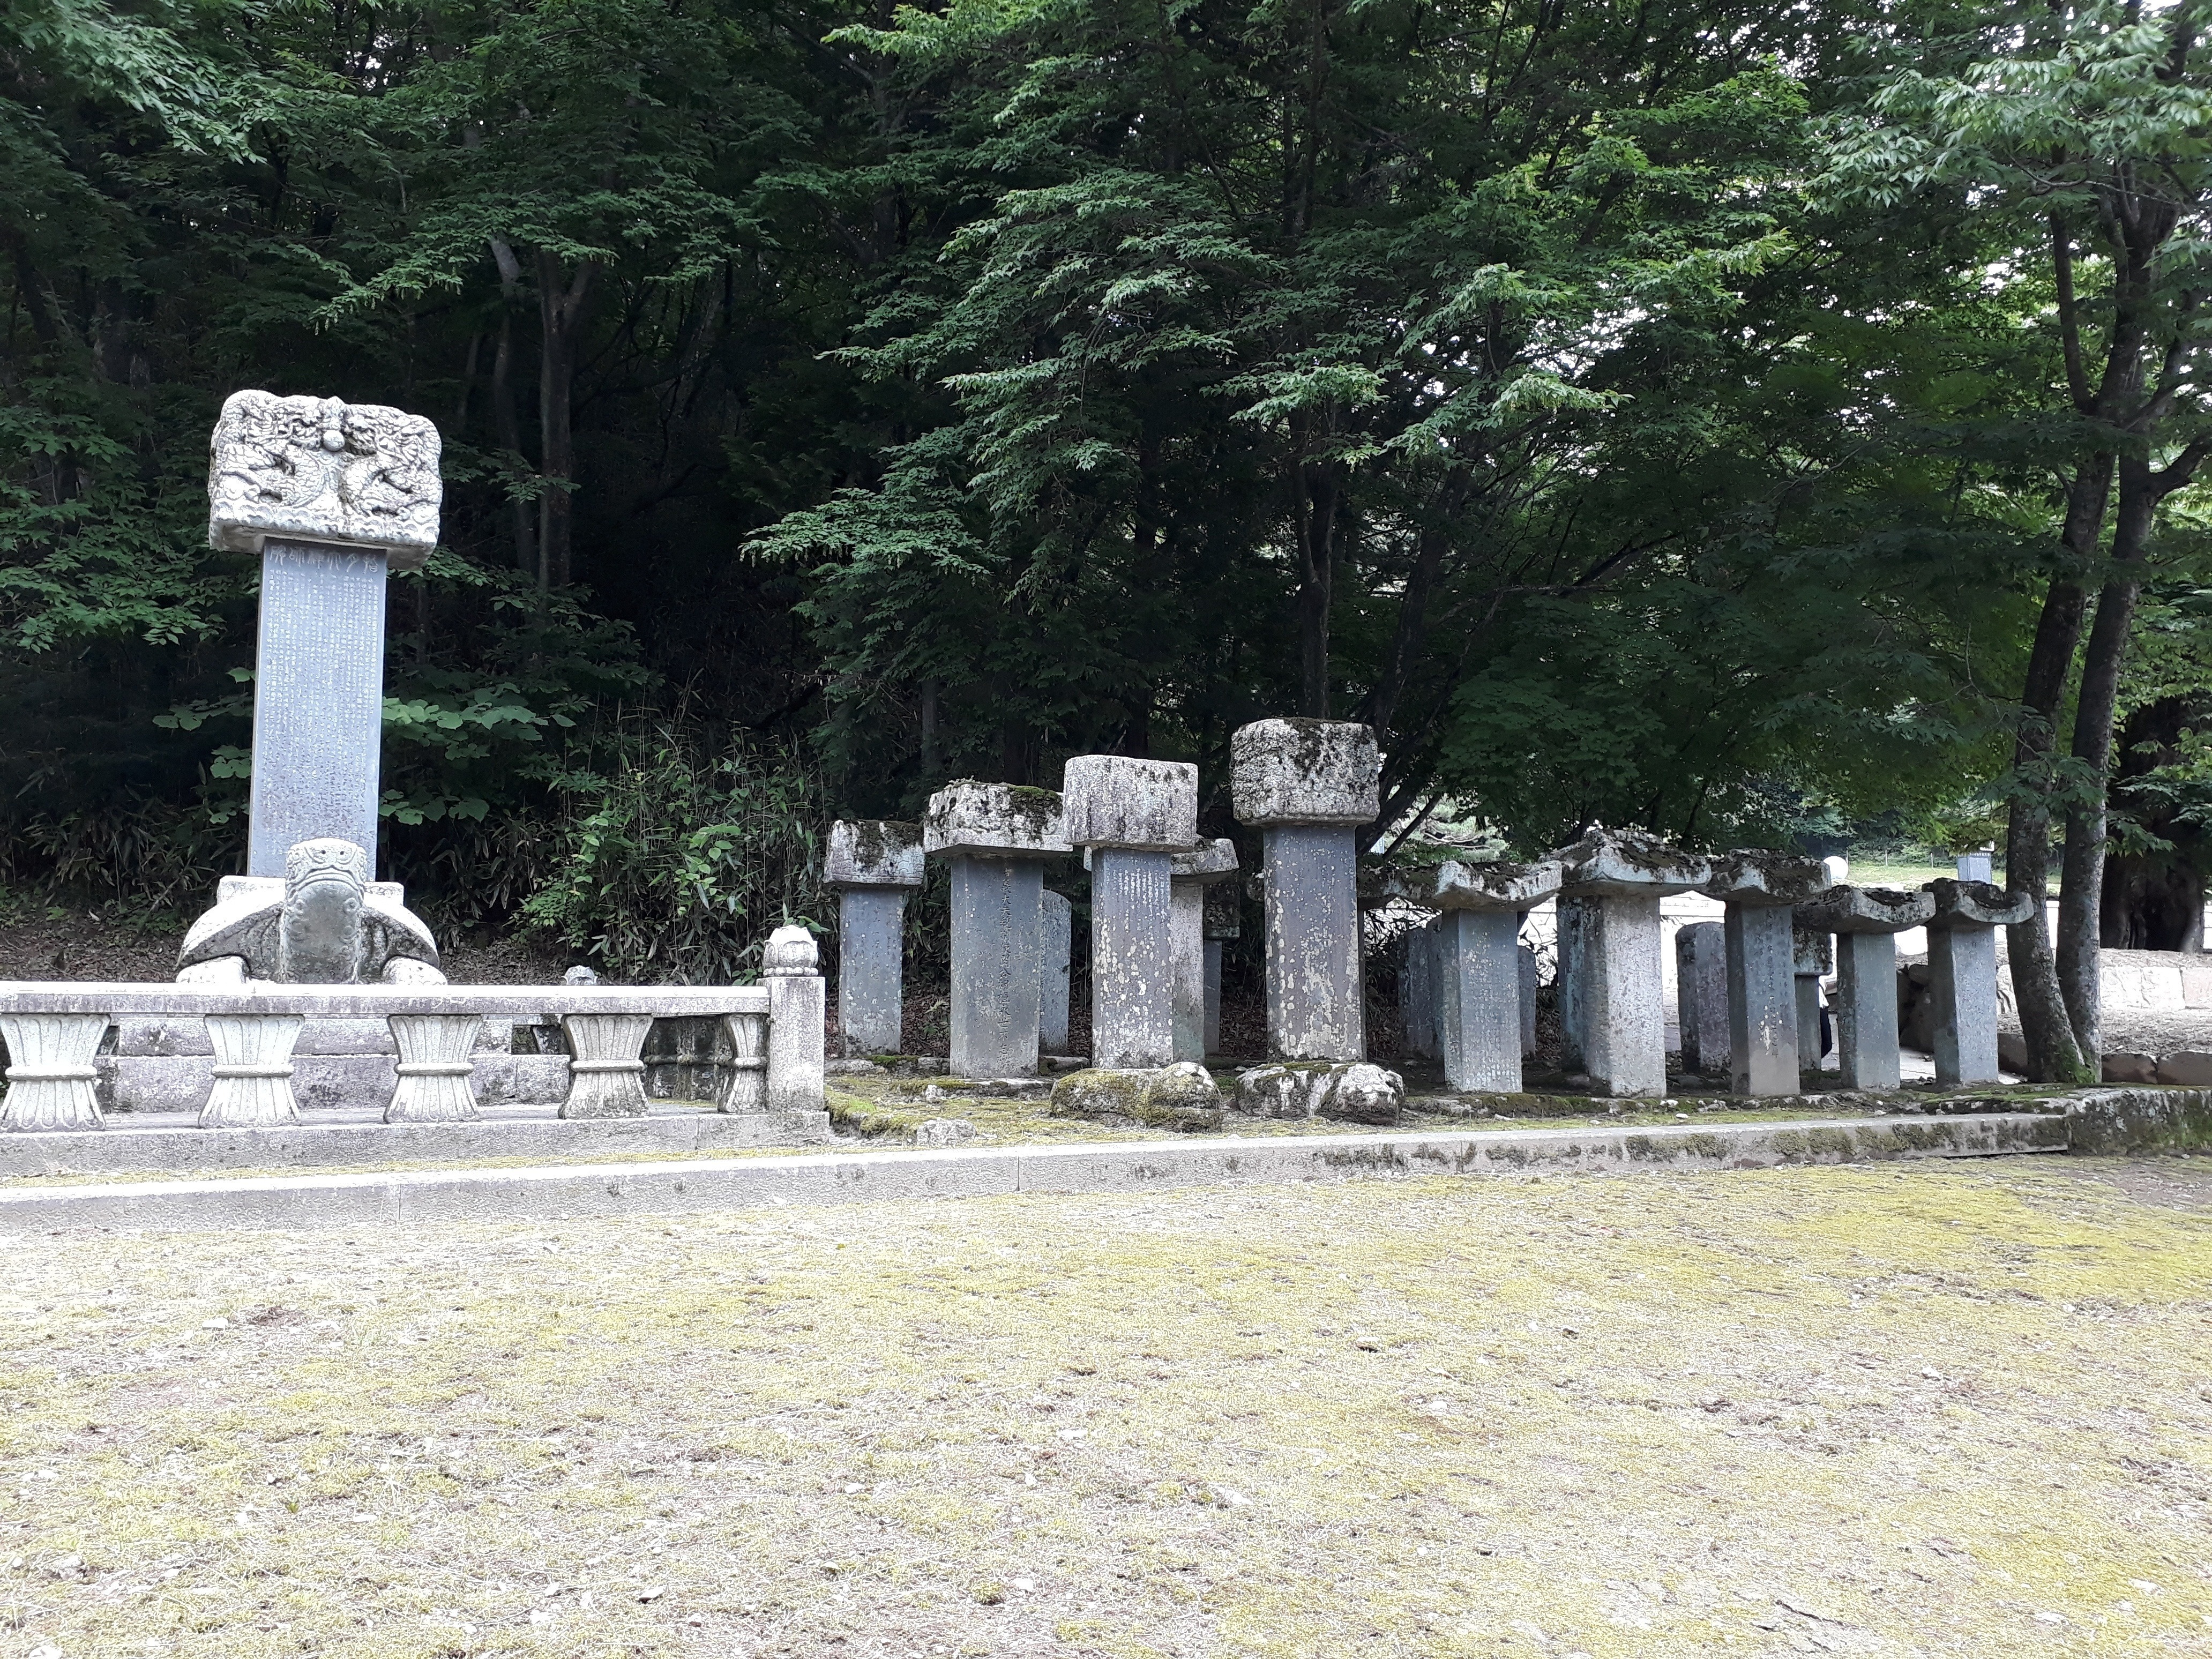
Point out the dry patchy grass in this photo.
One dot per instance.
(1859, 1410)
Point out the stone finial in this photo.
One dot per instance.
(1210, 861)
(873, 852)
(1976, 904)
(969, 819)
(1764, 878)
(317, 469)
(1866, 910)
(1628, 863)
(1456, 885)
(1305, 771)
(580, 974)
(790, 950)
(1120, 800)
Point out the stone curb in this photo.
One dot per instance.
(590, 1191)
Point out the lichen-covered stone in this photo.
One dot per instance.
(1122, 800)
(1456, 884)
(1976, 904)
(1209, 861)
(1351, 1091)
(1182, 1096)
(873, 852)
(971, 819)
(944, 1132)
(1305, 771)
(320, 469)
(1866, 910)
(1764, 878)
(1628, 863)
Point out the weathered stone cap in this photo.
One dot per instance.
(1628, 863)
(993, 820)
(1122, 800)
(1977, 904)
(1210, 861)
(320, 470)
(1865, 911)
(1762, 878)
(1456, 885)
(1305, 771)
(873, 852)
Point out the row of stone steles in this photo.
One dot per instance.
(1307, 785)
(1747, 986)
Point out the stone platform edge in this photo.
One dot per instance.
(583, 1191)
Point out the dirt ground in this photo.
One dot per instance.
(1954, 1409)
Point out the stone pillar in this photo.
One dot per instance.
(1577, 928)
(1623, 1012)
(606, 1065)
(747, 1088)
(1701, 998)
(332, 496)
(1223, 921)
(1759, 889)
(1813, 957)
(1479, 995)
(1309, 786)
(1131, 816)
(1962, 973)
(1055, 949)
(796, 1020)
(1190, 876)
(872, 865)
(1866, 921)
(50, 1070)
(436, 1057)
(1527, 1001)
(252, 1071)
(1417, 987)
(995, 838)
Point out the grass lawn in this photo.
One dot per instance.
(1960, 1409)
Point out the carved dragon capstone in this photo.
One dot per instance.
(325, 923)
(322, 470)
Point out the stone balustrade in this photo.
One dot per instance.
(429, 1069)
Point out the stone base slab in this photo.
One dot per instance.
(171, 1145)
(401, 1198)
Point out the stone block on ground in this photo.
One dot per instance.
(2131, 1068)
(1348, 1092)
(1182, 1097)
(1305, 771)
(2189, 1069)
(944, 1132)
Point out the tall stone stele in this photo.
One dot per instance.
(1866, 921)
(1191, 878)
(1477, 963)
(872, 865)
(1131, 816)
(1701, 994)
(1759, 889)
(996, 837)
(1223, 921)
(1962, 973)
(1307, 785)
(1620, 987)
(332, 496)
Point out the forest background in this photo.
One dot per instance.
(1765, 425)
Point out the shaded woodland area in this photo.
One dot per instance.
(1761, 425)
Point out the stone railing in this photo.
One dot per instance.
(771, 1057)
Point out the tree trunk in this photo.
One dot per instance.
(521, 513)
(1315, 504)
(2081, 890)
(2053, 1053)
(560, 327)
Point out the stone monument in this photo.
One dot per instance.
(872, 865)
(1760, 889)
(1131, 816)
(1616, 970)
(1866, 921)
(1223, 921)
(996, 838)
(1962, 972)
(325, 923)
(1478, 973)
(1309, 786)
(1701, 994)
(1055, 954)
(1191, 877)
